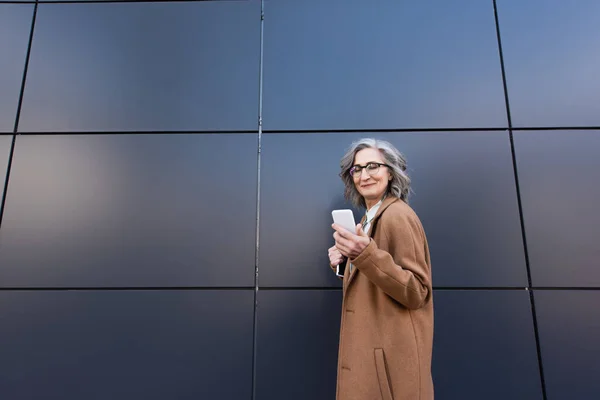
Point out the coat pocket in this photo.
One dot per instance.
(382, 375)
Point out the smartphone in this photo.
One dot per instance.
(345, 219)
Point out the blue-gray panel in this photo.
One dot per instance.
(130, 210)
(391, 64)
(484, 346)
(15, 25)
(559, 173)
(144, 66)
(5, 142)
(297, 348)
(551, 57)
(79, 1)
(126, 344)
(464, 194)
(569, 329)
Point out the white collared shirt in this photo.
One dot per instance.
(370, 215)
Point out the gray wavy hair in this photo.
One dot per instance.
(398, 187)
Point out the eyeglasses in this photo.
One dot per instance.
(372, 168)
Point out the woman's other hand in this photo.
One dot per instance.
(335, 256)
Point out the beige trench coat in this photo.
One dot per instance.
(386, 333)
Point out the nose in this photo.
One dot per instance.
(364, 175)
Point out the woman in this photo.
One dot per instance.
(386, 332)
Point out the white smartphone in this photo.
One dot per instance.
(345, 219)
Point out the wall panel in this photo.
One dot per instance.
(15, 26)
(130, 210)
(484, 346)
(389, 65)
(144, 67)
(559, 173)
(5, 143)
(569, 330)
(297, 345)
(551, 59)
(126, 344)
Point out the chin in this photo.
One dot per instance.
(373, 196)
(370, 196)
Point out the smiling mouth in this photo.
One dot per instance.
(367, 185)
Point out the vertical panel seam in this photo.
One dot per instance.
(502, 69)
(18, 114)
(25, 68)
(258, 172)
(519, 203)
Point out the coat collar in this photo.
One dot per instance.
(388, 201)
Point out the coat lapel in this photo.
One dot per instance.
(386, 203)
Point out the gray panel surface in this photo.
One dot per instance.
(484, 346)
(559, 173)
(464, 193)
(390, 64)
(297, 348)
(126, 345)
(551, 57)
(130, 210)
(15, 25)
(117, 1)
(144, 66)
(5, 142)
(569, 328)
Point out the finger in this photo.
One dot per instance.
(341, 243)
(360, 231)
(346, 246)
(347, 238)
(342, 231)
(343, 249)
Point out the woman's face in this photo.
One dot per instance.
(371, 184)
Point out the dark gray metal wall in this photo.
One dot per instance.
(134, 192)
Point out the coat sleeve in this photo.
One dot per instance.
(403, 272)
